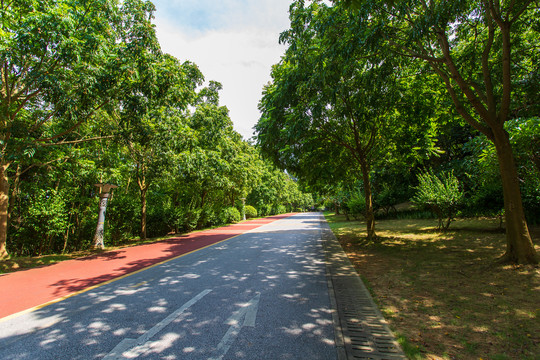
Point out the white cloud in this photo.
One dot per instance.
(237, 48)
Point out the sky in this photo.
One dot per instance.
(234, 42)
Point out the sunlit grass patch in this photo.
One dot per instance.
(445, 292)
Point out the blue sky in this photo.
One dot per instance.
(234, 42)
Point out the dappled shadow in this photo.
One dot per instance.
(286, 267)
(162, 251)
(447, 293)
(105, 255)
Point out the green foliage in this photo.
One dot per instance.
(441, 194)
(122, 217)
(168, 145)
(44, 223)
(265, 210)
(210, 216)
(251, 212)
(230, 215)
(482, 169)
(190, 219)
(279, 209)
(355, 204)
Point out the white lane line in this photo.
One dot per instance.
(249, 314)
(137, 345)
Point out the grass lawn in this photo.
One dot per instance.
(443, 294)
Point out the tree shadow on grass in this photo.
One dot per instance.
(446, 293)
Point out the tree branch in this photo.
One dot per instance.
(76, 125)
(490, 96)
(459, 106)
(78, 141)
(462, 84)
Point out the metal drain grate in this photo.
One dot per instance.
(365, 333)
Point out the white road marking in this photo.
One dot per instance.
(137, 346)
(248, 313)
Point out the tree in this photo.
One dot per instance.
(151, 116)
(55, 74)
(441, 194)
(479, 50)
(328, 100)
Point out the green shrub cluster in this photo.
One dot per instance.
(230, 215)
(251, 212)
(441, 194)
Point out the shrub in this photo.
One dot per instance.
(265, 210)
(190, 219)
(251, 212)
(356, 205)
(280, 209)
(230, 215)
(208, 217)
(123, 218)
(42, 226)
(442, 195)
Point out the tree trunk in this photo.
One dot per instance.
(370, 215)
(203, 198)
(143, 187)
(4, 206)
(519, 246)
(14, 193)
(143, 212)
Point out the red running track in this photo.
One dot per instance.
(28, 289)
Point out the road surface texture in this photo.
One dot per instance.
(269, 293)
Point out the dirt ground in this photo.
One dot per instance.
(444, 294)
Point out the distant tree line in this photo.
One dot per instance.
(87, 97)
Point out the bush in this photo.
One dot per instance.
(265, 210)
(442, 195)
(356, 205)
(190, 219)
(208, 217)
(251, 212)
(280, 209)
(387, 198)
(230, 215)
(44, 224)
(123, 218)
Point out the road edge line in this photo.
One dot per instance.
(82, 291)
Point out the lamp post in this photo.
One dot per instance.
(243, 208)
(104, 193)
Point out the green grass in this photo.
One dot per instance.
(445, 293)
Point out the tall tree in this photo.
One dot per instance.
(327, 100)
(479, 49)
(55, 74)
(152, 116)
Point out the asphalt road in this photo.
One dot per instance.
(260, 295)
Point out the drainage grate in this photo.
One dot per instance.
(364, 331)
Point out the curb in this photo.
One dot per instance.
(361, 330)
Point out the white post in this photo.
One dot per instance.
(105, 192)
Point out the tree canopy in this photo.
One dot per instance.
(390, 69)
(87, 96)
